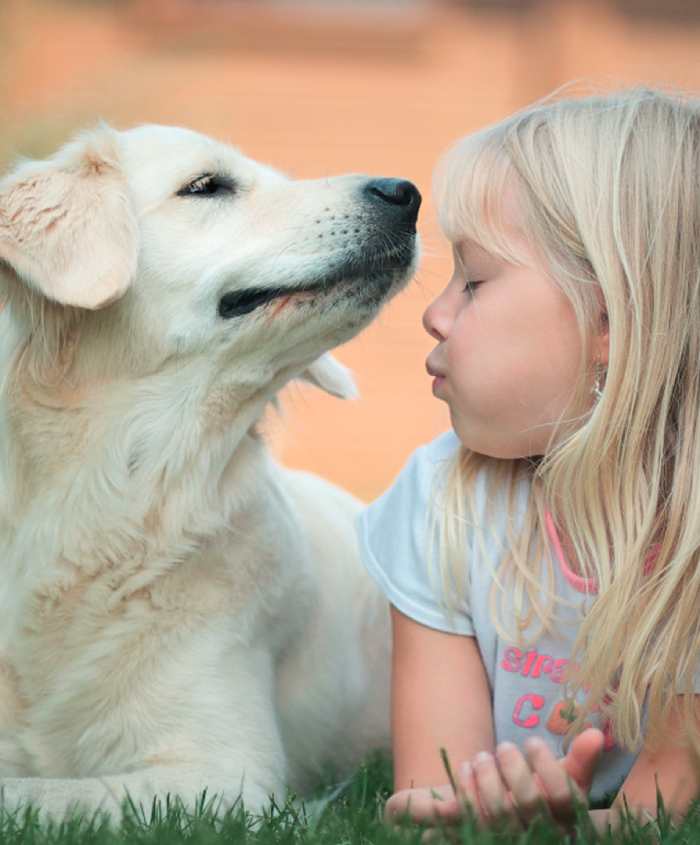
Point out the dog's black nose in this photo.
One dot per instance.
(394, 191)
(400, 193)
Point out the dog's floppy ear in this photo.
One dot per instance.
(330, 375)
(67, 225)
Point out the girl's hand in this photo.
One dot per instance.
(514, 788)
(509, 787)
(424, 805)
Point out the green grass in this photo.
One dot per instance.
(349, 818)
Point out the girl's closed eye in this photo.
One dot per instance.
(471, 287)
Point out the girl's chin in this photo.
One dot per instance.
(483, 443)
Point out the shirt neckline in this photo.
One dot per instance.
(578, 582)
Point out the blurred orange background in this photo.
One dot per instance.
(318, 87)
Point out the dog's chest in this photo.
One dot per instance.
(91, 626)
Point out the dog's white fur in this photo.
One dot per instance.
(177, 611)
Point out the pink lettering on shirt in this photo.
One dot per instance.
(558, 672)
(544, 663)
(536, 702)
(531, 664)
(511, 659)
(531, 655)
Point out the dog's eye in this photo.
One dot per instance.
(208, 185)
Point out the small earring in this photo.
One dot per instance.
(597, 389)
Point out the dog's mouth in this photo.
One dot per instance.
(372, 273)
(240, 302)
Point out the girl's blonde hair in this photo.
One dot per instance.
(609, 192)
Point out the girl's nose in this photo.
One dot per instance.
(435, 320)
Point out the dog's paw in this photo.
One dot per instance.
(57, 800)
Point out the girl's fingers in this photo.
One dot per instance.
(493, 798)
(469, 793)
(509, 788)
(525, 790)
(582, 758)
(413, 804)
(561, 792)
(422, 805)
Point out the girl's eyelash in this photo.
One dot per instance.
(470, 287)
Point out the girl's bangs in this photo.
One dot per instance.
(469, 186)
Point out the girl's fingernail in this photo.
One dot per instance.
(482, 757)
(465, 770)
(505, 747)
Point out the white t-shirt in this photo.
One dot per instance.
(525, 683)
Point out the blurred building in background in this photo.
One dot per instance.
(316, 87)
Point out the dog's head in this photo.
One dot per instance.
(128, 253)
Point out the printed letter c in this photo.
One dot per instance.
(537, 702)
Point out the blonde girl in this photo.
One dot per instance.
(542, 559)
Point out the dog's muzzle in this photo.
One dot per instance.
(384, 254)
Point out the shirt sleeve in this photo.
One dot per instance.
(393, 537)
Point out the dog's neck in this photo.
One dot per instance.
(93, 480)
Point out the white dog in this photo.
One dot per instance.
(177, 611)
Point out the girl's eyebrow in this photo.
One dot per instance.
(469, 253)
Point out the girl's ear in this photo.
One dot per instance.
(67, 225)
(601, 338)
(601, 342)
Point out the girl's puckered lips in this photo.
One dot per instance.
(432, 370)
